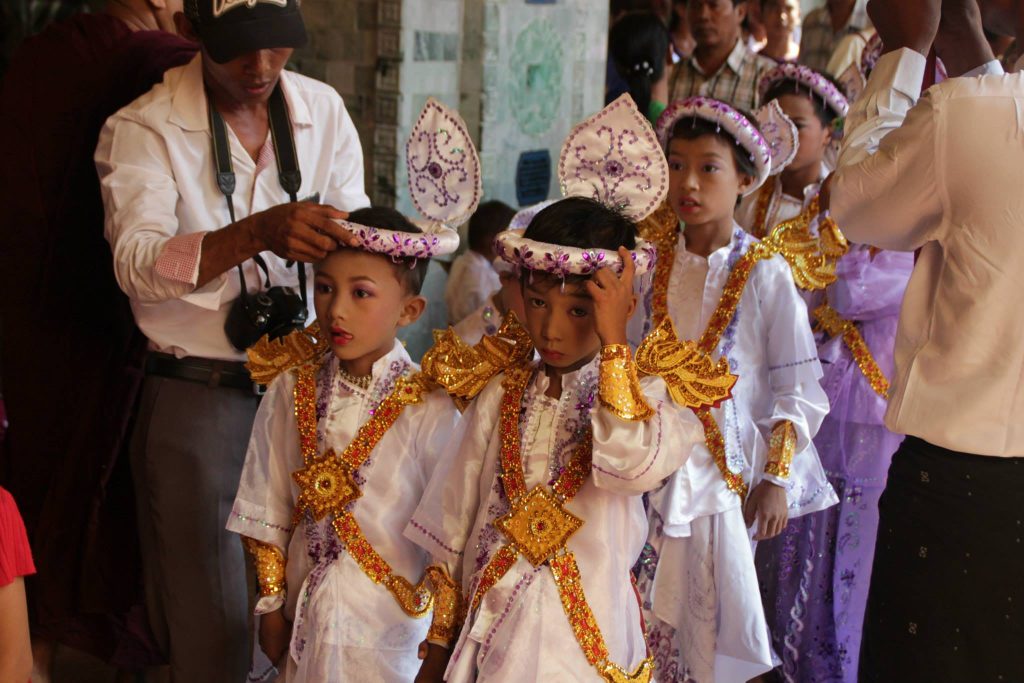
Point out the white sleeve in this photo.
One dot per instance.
(890, 198)
(346, 190)
(632, 457)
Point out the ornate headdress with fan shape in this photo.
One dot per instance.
(612, 157)
(444, 181)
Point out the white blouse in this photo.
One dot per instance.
(520, 632)
(337, 610)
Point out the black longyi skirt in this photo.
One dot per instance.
(947, 589)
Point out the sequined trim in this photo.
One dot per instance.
(448, 613)
(715, 443)
(654, 459)
(811, 258)
(538, 526)
(270, 566)
(267, 359)
(619, 386)
(764, 201)
(835, 325)
(420, 528)
(262, 523)
(781, 448)
(327, 483)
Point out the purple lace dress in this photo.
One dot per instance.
(814, 576)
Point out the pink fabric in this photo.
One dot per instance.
(15, 555)
(179, 260)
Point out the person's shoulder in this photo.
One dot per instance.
(311, 90)
(153, 107)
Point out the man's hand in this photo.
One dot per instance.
(275, 635)
(960, 42)
(766, 504)
(614, 300)
(435, 661)
(300, 231)
(906, 23)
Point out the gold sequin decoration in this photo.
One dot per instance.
(694, 380)
(619, 387)
(448, 615)
(661, 229)
(538, 527)
(270, 566)
(812, 259)
(268, 359)
(327, 484)
(835, 325)
(781, 448)
(764, 202)
(463, 370)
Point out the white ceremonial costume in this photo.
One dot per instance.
(483, 321)
(780, 206)
(520, 631)
(345, 626)
(471, 281)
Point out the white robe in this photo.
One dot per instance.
(520, 632)
(345, 627)
(697, 527)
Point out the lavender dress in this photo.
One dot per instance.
(814, 576)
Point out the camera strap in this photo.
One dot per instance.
(288, 173)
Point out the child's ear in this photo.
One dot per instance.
(746, 183)
(412, 309)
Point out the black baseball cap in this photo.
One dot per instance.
(231, 28)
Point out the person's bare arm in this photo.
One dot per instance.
(960, 42)
(15, 647)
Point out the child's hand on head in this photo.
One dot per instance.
(614, 300)
(767, 505)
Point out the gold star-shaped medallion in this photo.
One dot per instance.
(613, 674)
(326, 484)
(539, 525)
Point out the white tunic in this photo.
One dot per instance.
(346, 627)
(520, 632)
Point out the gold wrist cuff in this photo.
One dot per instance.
(619, 386)
(270, 565)
(781, 449)
(447, 617)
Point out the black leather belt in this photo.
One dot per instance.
(212, 373)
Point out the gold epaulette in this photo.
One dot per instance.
(811, 258)
(268, 359)
(694, 380)
(464, 370)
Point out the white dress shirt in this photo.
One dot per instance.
(346, 626)
(945, 176)
(471, 281)
(158, 180)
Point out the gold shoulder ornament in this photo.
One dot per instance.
(269, 358)
(812, 258)
(464, 370)
(694, 380)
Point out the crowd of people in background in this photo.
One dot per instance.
(166, 174)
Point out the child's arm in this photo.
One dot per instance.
(638, 439)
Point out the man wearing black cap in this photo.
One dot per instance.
(205, 181)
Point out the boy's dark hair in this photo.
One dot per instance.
(489, 219)
(692, 128)
(583, 223)
(410, 272)
(637, 44)
(822, 110)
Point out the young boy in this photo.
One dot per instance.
(487, 319)
(538, 514)
(720, 287)
(814, 103)
(345, 440)
(472, 279)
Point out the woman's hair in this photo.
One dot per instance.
(411, 272)
(822, 110)
(583, 223)
(638, 43)
(692, 128)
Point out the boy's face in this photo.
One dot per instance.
(560, 323)
(814, 137)
(715, 23)
(703, 180)
(360, 304)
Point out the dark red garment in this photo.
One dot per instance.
(15, 554)
(70, 354)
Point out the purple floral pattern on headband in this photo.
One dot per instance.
(562, 261)
(404, 245)
(780, 133)
(443, 168)
(810, 79)
(615, 158)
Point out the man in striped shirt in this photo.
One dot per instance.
(722, 66)
(824, 27)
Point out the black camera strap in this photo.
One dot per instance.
(288, 173)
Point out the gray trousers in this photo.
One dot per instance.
(187, 453)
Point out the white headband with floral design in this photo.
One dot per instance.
(612, 157)
(444, 181)
(810, 79)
